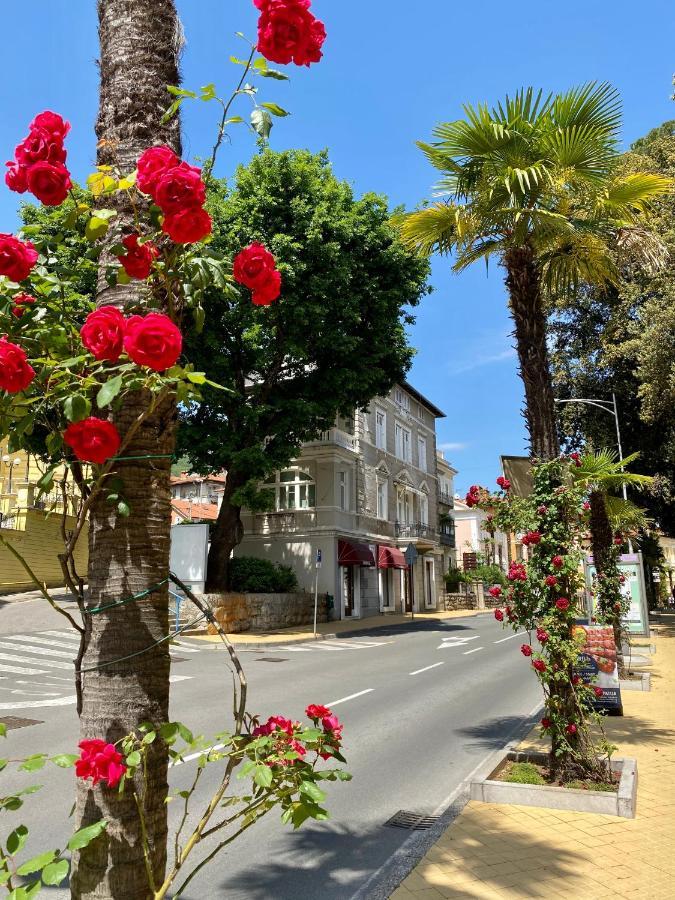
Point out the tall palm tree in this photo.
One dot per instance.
(139, 47)
(533, 182)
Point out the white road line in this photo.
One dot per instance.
(32, 693)
(455, 641)
(65, 635)
(21, 671)
(426, 669)
(40, 704)
(52, 663)
(475, 650)
(351, 697)
(501, 640)
(321, 645)
(174, 678)
(341, 646)
(48, 642)
(184, 647)
(43, 683)
(37, 651)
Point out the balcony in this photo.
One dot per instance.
(446, 498)
(447, 540)
(415, 530)
(335, 436)
(284, 521)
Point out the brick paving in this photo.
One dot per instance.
(500, 851)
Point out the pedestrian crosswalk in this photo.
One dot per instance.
(319, 646)
(36, 670)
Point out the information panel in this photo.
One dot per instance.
(636, 619)
(597, 664)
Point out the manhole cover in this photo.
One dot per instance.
(16, 722)
(412, 821)
(271, 659)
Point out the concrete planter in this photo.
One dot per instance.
(643, 683)
(237, 613)
(622, 803)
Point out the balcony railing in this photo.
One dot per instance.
(447, 498)
(336, 436)
(417, 529)
(448, 540)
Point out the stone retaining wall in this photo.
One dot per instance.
(265, 612)
(458, 601)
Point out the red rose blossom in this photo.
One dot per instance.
(598, 691)
(517, 572)
(138, 259)
(188, 226)
(179, 188)
(49, 182)
(562, 603)
(152, 164)
(571, 728)
(15, 177)
(586, 505)
(539, 665)
(551, 581)
(100, 762)
(92, 440)
(253, 266)
(289, 32)
(15, 371)
(532, 537)
(40, 146)
(557, 562)
(499, 615)
(52, 123)
(542, 510)
(270, 292)
(504, 483)
(495, 591)
(546, 723)
(103, 333)
(575, 680)
(316, 711)
(21, 301)
(526, 650)
(17, 258)
(542, 636)
(153, 341)
(576, 457)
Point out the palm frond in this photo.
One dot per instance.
(625, 515)
(632, 195)
(603, 470)
(592, 104)
(574, 259)
(430, 230)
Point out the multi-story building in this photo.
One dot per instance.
(446, 503)
(196, 498)
(358, 497)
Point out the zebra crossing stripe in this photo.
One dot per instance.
(65, 635)
(38, 651)
(40, 704)
(48, 642)
(21, 671)
(52, 663)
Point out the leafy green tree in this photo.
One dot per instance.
(533, 182)
(334, 341)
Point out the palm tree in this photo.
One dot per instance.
(139, 46)
(603, 473)
(533, 182)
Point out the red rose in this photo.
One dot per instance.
(188, 226)
(571, 728)
(562, 603)
(153, 341)
(266, 295)
(618, 540)
(152, 164)
(253, 266)
(92, 440)
(495, 591)
(586, 505)
(180, 188)
(551, 581)
(575, 680)
(138, 259)
(532, 537)
(526, 650)
(103, 333)
(100, 762)
(17, 258)
(542, 510)
(332, 724)
(15, 177)
(288, 32)
(598, 691)
(499, 615)
(546, 723)
(52, 123)
(49, 182)
(40, 146)
(558, 562)
(20, 302)
(539, 665)
(316, 711)
(542, 636)
(577, 459)
(504, 483)
(15, 371)
(517, 572)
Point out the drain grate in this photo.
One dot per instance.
(412, 821)
(16, 722)
(271, 659)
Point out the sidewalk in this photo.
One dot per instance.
(497, 851)
(342, 628)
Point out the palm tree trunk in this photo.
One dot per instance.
(527, 309)
(140, 42)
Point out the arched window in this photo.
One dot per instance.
(293, 489)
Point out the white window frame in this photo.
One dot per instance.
(380, 433)
(424, 509)
(343, 490)
(403, 442)
(422, 453)
(277, 485)
(382, 499)
(402, 399)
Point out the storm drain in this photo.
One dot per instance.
(412, 821)
(11, 722)
(271, 659)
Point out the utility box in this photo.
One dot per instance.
(189, 555)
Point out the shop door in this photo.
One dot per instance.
(348, 589)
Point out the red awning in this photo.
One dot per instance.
(390, 558)
(353, 554)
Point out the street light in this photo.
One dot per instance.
(10, 463)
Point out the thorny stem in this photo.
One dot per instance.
(226, 109)
(5, 866)
(146, 845)
(179, 831)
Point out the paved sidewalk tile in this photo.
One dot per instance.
(496, 851)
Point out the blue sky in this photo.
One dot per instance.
(391, 71)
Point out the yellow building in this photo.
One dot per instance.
(31, 524)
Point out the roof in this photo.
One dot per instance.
(438, 413)
(204, 512)
(187, 478)
(518, 469)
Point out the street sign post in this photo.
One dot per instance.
(319, 557)
(411, 556)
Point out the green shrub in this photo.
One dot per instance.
(250, 575)
(453, 578)
(489, 574)
(524, 773)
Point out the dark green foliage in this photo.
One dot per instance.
(249, 575)
(524, 773)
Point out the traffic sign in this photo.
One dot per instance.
(411, 554)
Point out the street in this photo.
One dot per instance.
(423, 704)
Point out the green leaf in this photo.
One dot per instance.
(262, 123)
(344, 776)
(263, 776)
(96, 228)
(85, 836)
(134, 759)
(275, 110)
(150, 737)
(3, 763)
(273, 73)
(208, 92)
(309, 789)
(54, 442)
(33, 763)
(76, 408)
(37, 863)
(233, 120)
(25, 893)
(17, 839)
(3, 729)
(238, 62)
(55, 872)
(64, 760)
(199, 316)
(172, 110)
(180, 92)
(123, 509)
(196, 377)
(109, 391)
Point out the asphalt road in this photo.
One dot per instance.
(423, 704)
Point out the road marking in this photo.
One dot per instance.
(40, 704)
(34, 650)
(475, 650)
(456, 641)
(21, 671)
(501, 640)
(342, 646)
(350, 697)
(38, 639)
(321, 645)
(426, 669)
(174, 678)
(52, 663)
(32, 693)
(65, 635)
(184, 648)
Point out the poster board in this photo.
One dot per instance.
(633, 589)
(597, 664)
(189, 555)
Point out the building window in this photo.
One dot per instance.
(422, 453)
(402, 399)
(343, 494)
(403, 439)
(404, 507)
(424, 510)
(380, 429)
(382, 498)
(293, 489)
